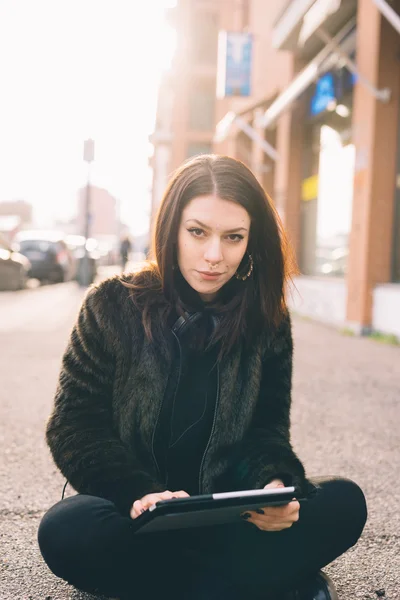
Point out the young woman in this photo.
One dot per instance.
(176, 381)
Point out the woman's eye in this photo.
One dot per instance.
(196, 231)
(235, 237)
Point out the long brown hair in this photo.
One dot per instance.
(245, 308)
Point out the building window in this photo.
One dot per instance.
(327, 190)
(205, 38)
(335, 202)
(198, 148)
(327, 207)
(202, 109)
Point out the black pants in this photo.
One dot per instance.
(87, 542)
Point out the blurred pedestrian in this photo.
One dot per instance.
(124, 250)
(177, 381)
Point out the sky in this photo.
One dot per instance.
(73, 70)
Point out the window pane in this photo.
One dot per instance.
(326, 209)
(335, 199)
(41, 245)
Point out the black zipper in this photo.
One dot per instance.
(212, 429)
(160, 407)
(177, 385)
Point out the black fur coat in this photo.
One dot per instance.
(109, 394)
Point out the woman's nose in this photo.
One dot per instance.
(213, 253)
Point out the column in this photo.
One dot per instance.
(375, 126)
(288, 174)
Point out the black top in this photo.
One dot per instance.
(185, 422)
(100, 430)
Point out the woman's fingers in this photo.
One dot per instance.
(272, 524)
(139, 506)
(265, 526)
(275, 518)
(282, 512)
(275, 483)
(167, 495)
(144, 503)
(180, 494)
(136, 509)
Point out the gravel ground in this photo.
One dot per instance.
(345, 422)
(345, 419)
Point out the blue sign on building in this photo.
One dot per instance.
(234, 64)
(333, 85)
(324, 94)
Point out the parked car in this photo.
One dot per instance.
(14, 268)
(49, 255)
(108, 248)
(76, 244)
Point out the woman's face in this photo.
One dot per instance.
(212, 240)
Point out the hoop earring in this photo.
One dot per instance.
(249, 272)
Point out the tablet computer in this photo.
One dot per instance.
(208, 509)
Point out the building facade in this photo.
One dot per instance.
(320, 128)
(14, 216)
(186, 111)
(103, 211)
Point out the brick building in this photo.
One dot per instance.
(103, 213)
(320, 129)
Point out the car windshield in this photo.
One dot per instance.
(37, 245)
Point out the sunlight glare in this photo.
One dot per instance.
(72, 71)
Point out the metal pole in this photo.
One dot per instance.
(85, 278)
(381, 94)
(303, 79)
(86, 275)
(388, 12)
(256, 137)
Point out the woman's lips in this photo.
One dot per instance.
(208, 276)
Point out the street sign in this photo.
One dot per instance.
(324, 94)
(234, 64)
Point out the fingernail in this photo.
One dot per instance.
(246, 516)
(260, 511)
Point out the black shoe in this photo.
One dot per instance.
(319, 588)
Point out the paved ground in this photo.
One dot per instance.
(345, 421)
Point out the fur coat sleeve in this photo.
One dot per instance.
(266, 452)
(80, 431)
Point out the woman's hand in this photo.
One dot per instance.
(274, 518)
(144, 503)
